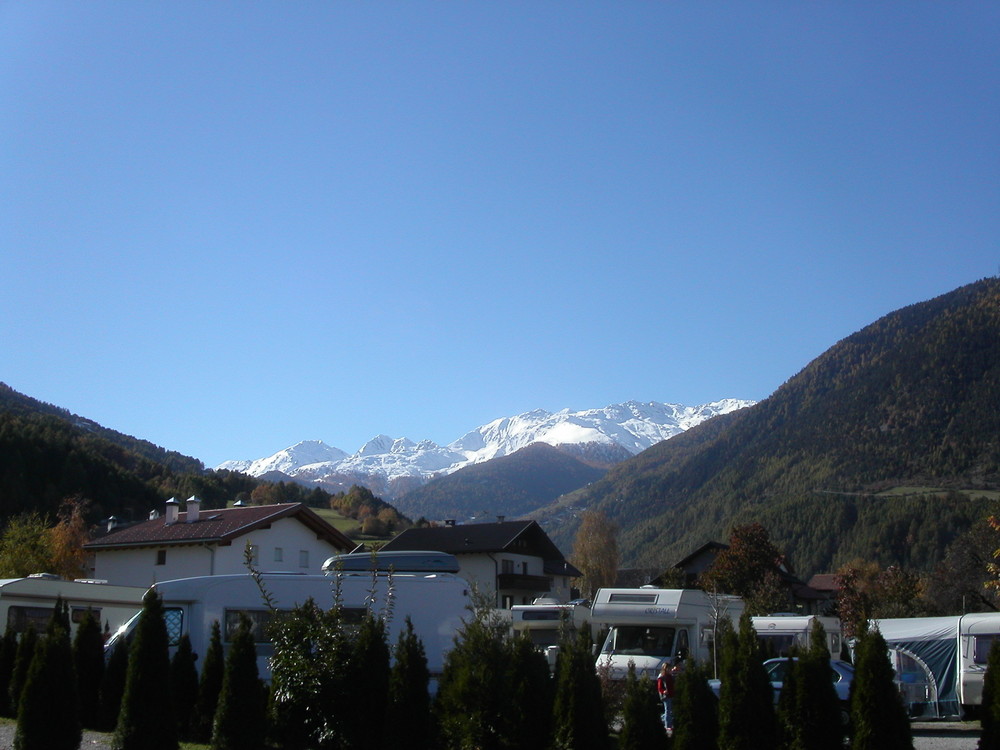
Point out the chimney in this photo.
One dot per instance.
(172, 509)
(500, 519)
(112, 522)
(154, 514)
(449, 522)
(193, 509)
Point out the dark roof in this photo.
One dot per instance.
(525, 537)
(561, 568)
(708, 547)
(220, 526)
(825, 582)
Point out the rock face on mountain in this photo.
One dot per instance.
(391, 467)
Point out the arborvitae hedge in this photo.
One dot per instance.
(642, 723)
(209, 686)
(241, 718)
(578, 714)
(8, 653)
(696, 719)
(531, 696)
(184, 687)
(746, 707)
(113, 686)
(22, 661)
(409, 697)
(146, 721)
(878, 717)
(88, 658)
(48, 716)
(989, 739)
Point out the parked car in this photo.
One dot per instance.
(841, 673)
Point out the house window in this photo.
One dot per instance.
(506, 566)
(161, 557)
(303, 558)
(524, 568)
(279, 554)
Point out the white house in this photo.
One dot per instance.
(288, 537)
(511, 561)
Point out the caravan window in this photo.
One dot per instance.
(982, 647)
(173, 617)
(78, 613)
(259, 619)
(639, 640)
(19, 618)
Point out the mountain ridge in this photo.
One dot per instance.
(382, 462)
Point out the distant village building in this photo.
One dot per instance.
(513, 562)
(289, 537)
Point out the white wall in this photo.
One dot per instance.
(137, 567)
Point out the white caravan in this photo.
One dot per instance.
(546, 621)
(940, 662)
(424, 588)
(648, 626)
(27, 602)
(779, 632)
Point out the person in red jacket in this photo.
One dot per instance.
(665, 687)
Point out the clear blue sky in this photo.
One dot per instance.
(226, 227)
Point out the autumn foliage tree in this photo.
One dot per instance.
(595, 551)
(750, 568)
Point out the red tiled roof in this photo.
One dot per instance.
(218, 526)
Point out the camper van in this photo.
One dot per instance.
(940, 662)
(424, 587)
(30, 602)
(779, 633)
(648, 626)
(546, 621)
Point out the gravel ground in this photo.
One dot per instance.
(946, 735)
(939, 735)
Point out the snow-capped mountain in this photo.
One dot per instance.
(389, 466)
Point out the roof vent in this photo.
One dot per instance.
(112, 522)
(154, 514)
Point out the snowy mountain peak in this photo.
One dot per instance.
(632, 425)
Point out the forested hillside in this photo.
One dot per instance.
(910, 401)
(48, 455)
(509, 486)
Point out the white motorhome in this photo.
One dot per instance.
(940, 662)
(30, 602)
(648, 626)
(778, 633)
(546, 622)
(423, 585)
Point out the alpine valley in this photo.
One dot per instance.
(885, 448)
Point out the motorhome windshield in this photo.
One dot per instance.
(640, 640)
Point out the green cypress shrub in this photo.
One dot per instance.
(989, 738)
(878, 717)
(22, 661)
(146, 721)
(48, 716)
(8, 653)
(369, 676)
(184, 687)
(240, 719)
(579, 721)
(88, 659)
(113, 687)
(531, 695)
(818, 707)
(409, 694)
(642, 725)
(696, 717)
(746, 707)
(472, 701)
(209, 686)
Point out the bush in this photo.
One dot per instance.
(240, 719)
(746, 708)
(642, 725)
(88, 658)
(184, 687)
(878, 716)
(50, 683)
(578, 714)
(209, 686)
(143, 722)
(989, 739)
(696, 719)
(409, 696)
(113, 687)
